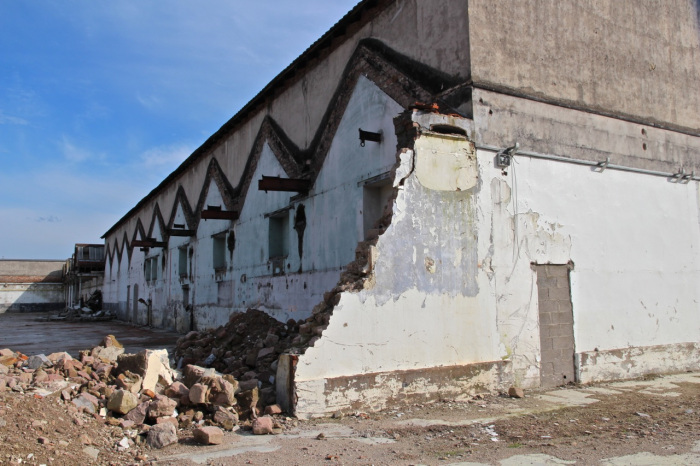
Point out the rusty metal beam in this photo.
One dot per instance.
(149, 244)
(215, 214)
(180, 232)
(276, 183)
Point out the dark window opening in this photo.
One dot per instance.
(182, 262)
(219, 254)
(376, 197)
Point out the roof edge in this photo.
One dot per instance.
(323, 46)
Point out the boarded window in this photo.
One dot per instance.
(182, 262)
(219, 258)
(279, 235)
(151, 268)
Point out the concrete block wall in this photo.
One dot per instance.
(31, 285)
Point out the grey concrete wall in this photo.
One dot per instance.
(31, 297)
(501, 120)
(637, 58)
(31, 268)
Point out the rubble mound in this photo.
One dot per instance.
(91, 311)
(149, 403)
(247, 348)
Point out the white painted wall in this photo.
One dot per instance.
(636, 249)
(454, 282)
(22, 297)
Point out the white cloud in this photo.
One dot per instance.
(166, 157)
(49, 219)
(11, 120)
(72, 152)
(150, 102)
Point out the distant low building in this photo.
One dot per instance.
(84, 273)
(31, 285)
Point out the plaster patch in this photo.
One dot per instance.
(446, 162)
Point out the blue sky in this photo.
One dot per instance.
(99, 101)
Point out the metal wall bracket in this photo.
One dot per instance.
(504, 157)
(276, 183)
(369, 136)
(604, 165)
(218, 214)
(149, 243)
(682, 175)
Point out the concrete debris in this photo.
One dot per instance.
(86, 402)
(138, 414)
(272, 409)
(198, 393)
(123, 444)
(152, 365)
(162, 406)
(263, 425)
(227, 419)
(92, 311)
(140, 393)
(209, 435)
(516, 392)
(35, 362)
(161, 435)
(92, 452)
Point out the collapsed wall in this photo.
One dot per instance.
(407, 303)
(412, 328)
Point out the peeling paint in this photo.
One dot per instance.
(376, 391)
(629, 363)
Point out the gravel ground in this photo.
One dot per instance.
(659, 417)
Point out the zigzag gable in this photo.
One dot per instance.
(404, 80)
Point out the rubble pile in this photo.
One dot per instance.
(80, 314)
(140, 393)
(91, 311)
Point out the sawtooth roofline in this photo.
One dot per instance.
(405, 80)
(355, 18)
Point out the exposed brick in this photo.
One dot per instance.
(559, 294)
(547, 344)
(548, 306)
(565, 308)
(545, 318)
(556, 271)
(562, 342)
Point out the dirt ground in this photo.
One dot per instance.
(659, 416)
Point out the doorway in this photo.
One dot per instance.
(556, 318)
(136, 304)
